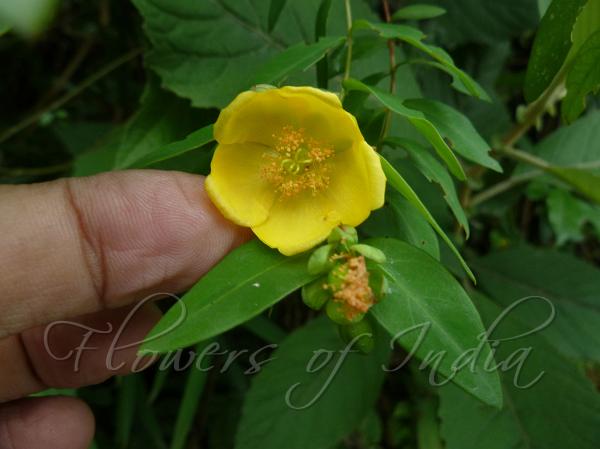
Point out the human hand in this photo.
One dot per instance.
(86, 250)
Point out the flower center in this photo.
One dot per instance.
(297, 163)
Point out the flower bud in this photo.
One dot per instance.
(262, 87)
(361, 333)
(379, 284)
(343, 234)
(370, 252)
(320, 260)
(340, 313)
(314, 295)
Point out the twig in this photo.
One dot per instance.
(349, 39)
(528, 158)
(34, 117)
(532, 114)
(503, 186)
(18, 172)
(535, 110)
(67, 72)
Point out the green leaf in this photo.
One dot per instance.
(461, 81)
(582, 79)
(573, 155)
(264, 328)
(574, 145)
(320, 31)
(192, 141)
(551, 46)
(417, 119)
(415, 37)
(82, 136)
(425, 296)
(158, 383)
(322, 18)
(292, 406)
(587, 23)
(126, 408)
(418, 12)
(28, 17)
(294, 59)
(149, 420)
(428, 423)
(558, 411)
(401, 220)
(275, 8)
(162, 118)
(486, 22)
(397, 182)
(572, 286)
(210, 51)
(99, 159)
(4, 28)
(585, 182)
(247, 281)
(190, 400)
(405, 33)
(543, 6)
(567, 216)
(434, 172)
(458, 129)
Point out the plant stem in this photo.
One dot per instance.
(528, 158)
(391, 47)
(518, 155)
(349, 39)
(67, 72)
(503, 186)
(393, 67)
(535, 110)
(514, 181)
(34, 171)
(35, 116)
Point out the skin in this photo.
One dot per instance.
(86, 250)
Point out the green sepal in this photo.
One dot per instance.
(370, 252)
(314, 295)
(320, 260)
(378, 283)
(345, 235)
(361, 333)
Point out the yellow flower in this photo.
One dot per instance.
(292, 165)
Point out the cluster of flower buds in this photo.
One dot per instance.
(351, 282)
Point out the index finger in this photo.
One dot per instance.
(75, 246)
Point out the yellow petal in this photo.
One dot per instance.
(322, 95)
(357, 184)
(235, 184)
(297, 224)
(375, 175)
(257, 116)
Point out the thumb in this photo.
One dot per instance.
(76, 246)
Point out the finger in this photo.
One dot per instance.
(46, 423)
(80, 245)
(72, 354)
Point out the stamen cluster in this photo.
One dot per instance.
(297, 163)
